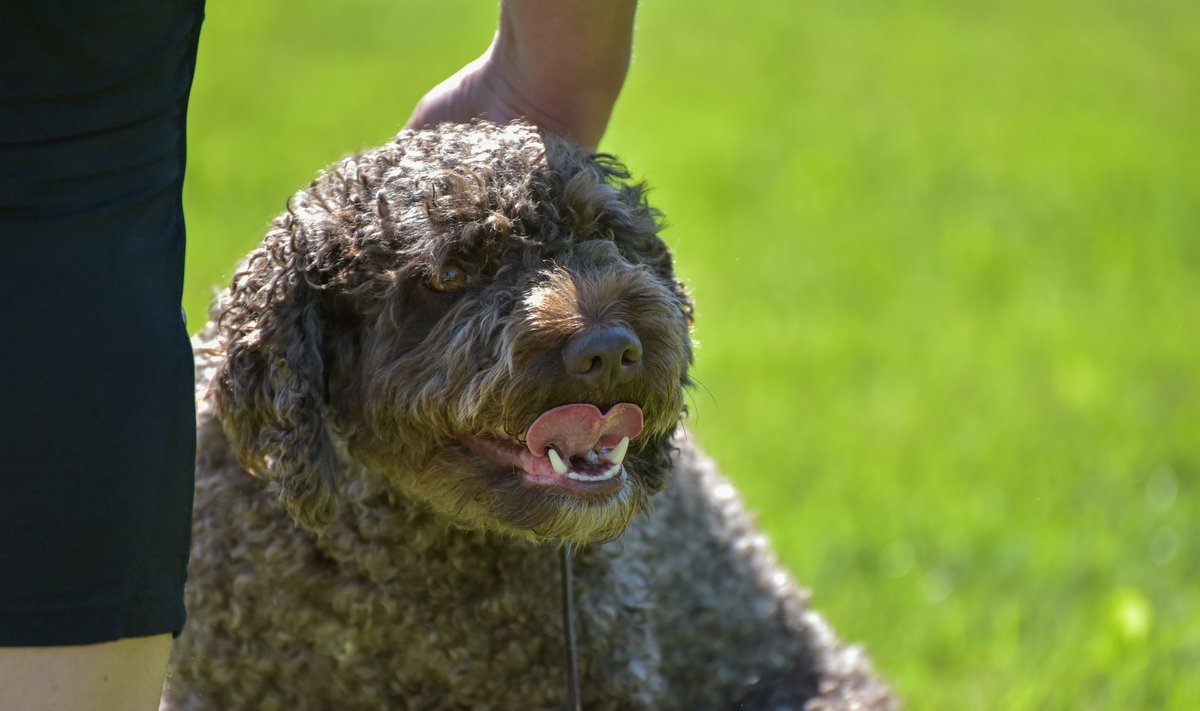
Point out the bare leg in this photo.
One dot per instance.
(126, 675)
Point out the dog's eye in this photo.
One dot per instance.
(450, 277)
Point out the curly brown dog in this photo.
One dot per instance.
(451, 355)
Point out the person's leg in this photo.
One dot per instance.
(126, 675)
(96, 421)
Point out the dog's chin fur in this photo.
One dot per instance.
(507, 506)
(475, 493)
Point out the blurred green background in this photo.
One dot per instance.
(946, 257)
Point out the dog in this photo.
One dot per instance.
(450, 357)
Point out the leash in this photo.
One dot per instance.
(568, 602)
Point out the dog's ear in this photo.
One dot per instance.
(270, 388)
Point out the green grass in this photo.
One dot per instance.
(946, 258)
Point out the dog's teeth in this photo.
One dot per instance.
(617, 455)
(607, 474)
(556, 461)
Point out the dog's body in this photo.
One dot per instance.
(452, 354)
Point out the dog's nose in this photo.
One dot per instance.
(604, 357)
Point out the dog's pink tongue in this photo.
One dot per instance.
(577, 429)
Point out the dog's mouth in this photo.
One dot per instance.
(573, 449)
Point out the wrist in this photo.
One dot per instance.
(522, 90)
(562, 63)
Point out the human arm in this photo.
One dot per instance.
(558, 63)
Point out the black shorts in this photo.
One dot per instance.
(97, 428)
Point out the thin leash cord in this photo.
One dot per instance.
(568, 602)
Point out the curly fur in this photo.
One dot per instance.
(350, 553)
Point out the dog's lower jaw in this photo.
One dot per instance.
(467, 492)
(594, 477)
(557, 518)
(588, 523)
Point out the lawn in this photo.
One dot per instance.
(946, 260)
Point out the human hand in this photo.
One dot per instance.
(558, 63)
(475, 91)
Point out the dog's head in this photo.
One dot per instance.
(483, 315)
